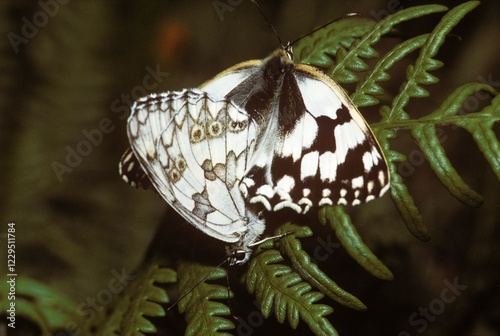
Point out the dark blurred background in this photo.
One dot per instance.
(67, 79)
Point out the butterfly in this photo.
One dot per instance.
(314, 147)
(264, 134)
(194, 150)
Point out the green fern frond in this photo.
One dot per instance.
(483, 134)
(317, 49)
(399, 193)
(366, 90)
(141, 300)
(431, 147)
(278, 287)
(350, 239)
(418, 74)
(291, 247)
(479, 124)
(383, 27)
(203, 315)
(49, 310)
(344, 71)
(423, 131)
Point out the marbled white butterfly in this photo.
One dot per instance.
(195, 150)
(264, 132)
(314, 147)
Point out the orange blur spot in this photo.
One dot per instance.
(170, 41)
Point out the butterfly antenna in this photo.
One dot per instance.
(348, 15)
(278, 237)
(197, 284)
(268, 22)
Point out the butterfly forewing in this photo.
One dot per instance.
(314, 147)
(195, 150)
(330, 149)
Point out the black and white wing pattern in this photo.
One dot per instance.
(131, 172)
(314, 148)
(195, 150)
(264, 132)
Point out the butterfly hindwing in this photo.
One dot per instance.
(195, 149)
(131, 172)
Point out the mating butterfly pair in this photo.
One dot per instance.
(266, 133)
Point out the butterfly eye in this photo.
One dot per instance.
(238, 257)
(197, 134)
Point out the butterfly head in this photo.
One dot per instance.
(240, 252)
(238, 257)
